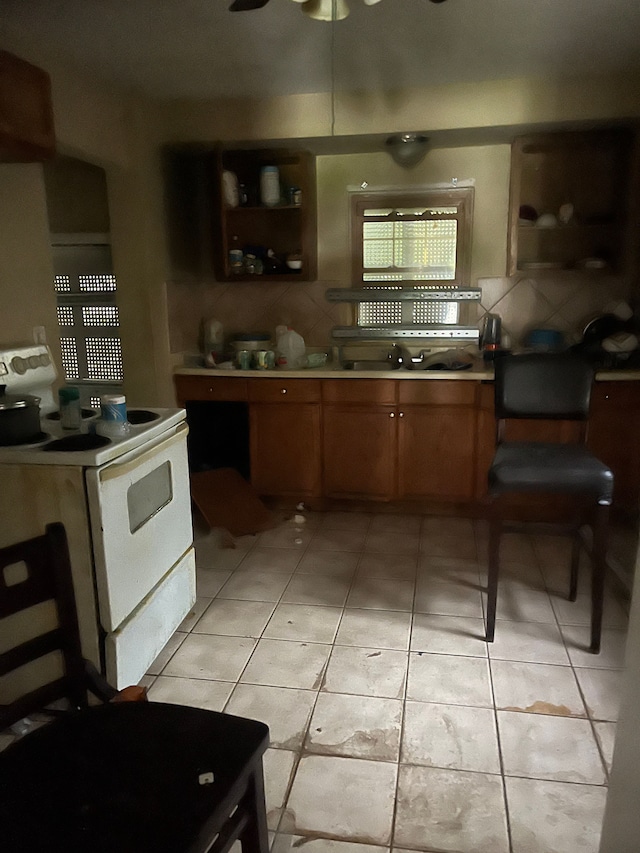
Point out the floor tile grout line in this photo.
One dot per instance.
(334, 643)
(583, 698)
(394, 815)
(500, 755)
(307, 727)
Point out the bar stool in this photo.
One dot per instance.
(546, 386)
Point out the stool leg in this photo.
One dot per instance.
(255, 839)
(575, 565)
(495, 530)
(600, 531)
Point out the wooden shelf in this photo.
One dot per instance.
(589, 170)
(286, 229)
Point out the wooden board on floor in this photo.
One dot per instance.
(226, 500)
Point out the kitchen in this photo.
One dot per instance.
(122, 134)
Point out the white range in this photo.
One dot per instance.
(126, 507)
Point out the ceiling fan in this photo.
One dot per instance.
(248, 5)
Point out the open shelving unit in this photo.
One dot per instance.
(588, 171)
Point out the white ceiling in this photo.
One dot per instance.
(198, 49)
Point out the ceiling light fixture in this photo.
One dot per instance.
(407, 149)
(328, 10)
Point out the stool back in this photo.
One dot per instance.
(547, 386)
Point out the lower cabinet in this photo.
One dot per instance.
(614, 427)
(383, 439)
(436, 452)
(418, 442)
(359, 451)
(285, 446)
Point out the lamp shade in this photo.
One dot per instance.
(407, 149)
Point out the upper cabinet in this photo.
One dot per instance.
(265, 215)
(569, 202)
(26, 113)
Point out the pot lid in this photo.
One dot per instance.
(15, 401)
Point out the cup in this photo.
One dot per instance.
(270, 359)
(243, 359)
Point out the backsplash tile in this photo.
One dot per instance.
(250, 307)
(566, 304)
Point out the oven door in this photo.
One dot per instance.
(140, 511)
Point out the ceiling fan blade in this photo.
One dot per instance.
(247, 5)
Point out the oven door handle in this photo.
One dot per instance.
(120, 469)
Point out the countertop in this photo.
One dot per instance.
(478, 372)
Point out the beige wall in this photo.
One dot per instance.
(98, 124)
(488, 105)
(26, 272)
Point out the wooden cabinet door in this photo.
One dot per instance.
(436, 452)
(285, 449)
(26, 113)
(360, 451)
(614, 427)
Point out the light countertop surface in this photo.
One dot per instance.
(478, 372)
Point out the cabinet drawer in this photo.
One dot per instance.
(367, 391)
(283, 390)
(615, 394)
(438, 392)
(210, 388)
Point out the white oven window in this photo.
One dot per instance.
(149, 495)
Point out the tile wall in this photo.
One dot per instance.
(524, 303)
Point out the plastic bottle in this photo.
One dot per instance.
(113, 416)
(270, 186)
(70, 411)
(291, 348)
(212, 342)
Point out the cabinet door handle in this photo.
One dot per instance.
(283, 390)
(392, 414)
(400, 414)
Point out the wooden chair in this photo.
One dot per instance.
(125, 776)
(548, 386)
(42, 573)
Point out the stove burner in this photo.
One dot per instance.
(86, 413)
(84, 441)
(141, 416)
(36, 439)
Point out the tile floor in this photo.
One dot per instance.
(358, 638)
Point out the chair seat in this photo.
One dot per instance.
(521, 466)
(127, 777)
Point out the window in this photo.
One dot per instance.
(413, 240)
(88, 317)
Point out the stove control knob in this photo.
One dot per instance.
(44, 360)
(33, 361)
(19, 365)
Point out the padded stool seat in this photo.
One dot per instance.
(548, 387)
(128, 778)
(528, 466)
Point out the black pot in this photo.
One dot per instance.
(19, 419)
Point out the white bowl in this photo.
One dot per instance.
(294, 265)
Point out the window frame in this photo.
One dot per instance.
(460, 197)
(75, 298)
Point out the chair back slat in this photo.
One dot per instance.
(545, 386)
(46, 569)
